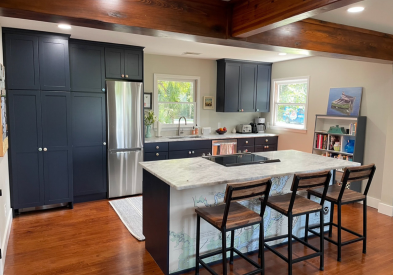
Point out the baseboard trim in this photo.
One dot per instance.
(6, 237)
(385, 209)
(373, 202)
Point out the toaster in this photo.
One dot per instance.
(244, 129)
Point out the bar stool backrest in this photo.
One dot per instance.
(308, 181)
(247, 190)
(365, 172)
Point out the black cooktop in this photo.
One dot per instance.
(240, 159)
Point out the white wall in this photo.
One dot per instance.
(207, 71)
(5, 204)
(326, 73)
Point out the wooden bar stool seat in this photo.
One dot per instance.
(340, 195)
(292, 205)
(301, 205)
(333, 194)
(231, 216)
(238, 215)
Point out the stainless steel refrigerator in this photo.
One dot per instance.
(125, 137)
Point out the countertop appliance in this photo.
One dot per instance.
(243, 129)
(125, 137)
(254, 127)
(224, 147)
(241, 159)
(260, 124)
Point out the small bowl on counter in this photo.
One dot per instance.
(220, 132)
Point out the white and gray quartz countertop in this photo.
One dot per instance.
(198, 172)
(207, 137)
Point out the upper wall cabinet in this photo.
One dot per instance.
(21, 57)
(243, 86)
(36, 60)
(87, 62)
(54, 64)
(124, 63)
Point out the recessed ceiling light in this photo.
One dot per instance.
(356, 9)
(282, 54)
(64, 26)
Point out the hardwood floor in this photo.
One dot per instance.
(91, 239)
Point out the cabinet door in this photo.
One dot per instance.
(200, 152)
(87, 65)
(180, 154)
(248, 87)
(57, 151)
(27, 184)
(54, 64)
(89, 150)
(133, 64)
(155, 156)
(263, 88)
(21, 57)
(232, 87)
(114, 63)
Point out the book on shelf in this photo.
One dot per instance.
(352, 129)
(321, 141)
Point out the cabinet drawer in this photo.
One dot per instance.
(156, 147)
(266, 140)
(180, 154)
(265, 148)
(190, 145)
(243, 149)
(245, 142)
(155, 156)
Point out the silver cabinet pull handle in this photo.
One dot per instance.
(122, 75)
(157, 154)
(40, 149)
(157, 147)
(103, 89)
(104, 143)
(193, 152)
(189, 152)
(127, 75)
(45, 149)
(267, 140)
(246, 141)
(257, 110)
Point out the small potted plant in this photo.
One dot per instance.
(150, 118)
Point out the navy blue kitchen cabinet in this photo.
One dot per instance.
(57, 146)
(263, 88)
(243, 86)
(36, 60)
(89, 146)
(26, 155)
(124, 63)
(21, 57)
(87, 66)
(155, 151)
(155, 156)
(177, 149)
(40, 148)
(54, 63)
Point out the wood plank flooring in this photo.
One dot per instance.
(91, 239)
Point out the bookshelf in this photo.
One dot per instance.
(323, 139)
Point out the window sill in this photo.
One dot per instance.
(287, 129)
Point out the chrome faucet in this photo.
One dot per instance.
(180, 132)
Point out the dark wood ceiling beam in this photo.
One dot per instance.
(202, 17)
(329, 39)
(251, 17)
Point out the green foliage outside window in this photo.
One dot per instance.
(175, 99)
(290, 93)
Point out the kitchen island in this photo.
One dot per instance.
(172, 189)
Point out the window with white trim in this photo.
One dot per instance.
(175, 97)
(290, 100)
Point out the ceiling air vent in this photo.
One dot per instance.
(191, 53)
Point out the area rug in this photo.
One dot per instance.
(129, 211)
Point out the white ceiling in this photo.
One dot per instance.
(377, 16)
(153, 45)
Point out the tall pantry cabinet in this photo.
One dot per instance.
(39, 104)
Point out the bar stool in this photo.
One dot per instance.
(340, 196)
(231, 216)
(292, 205)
